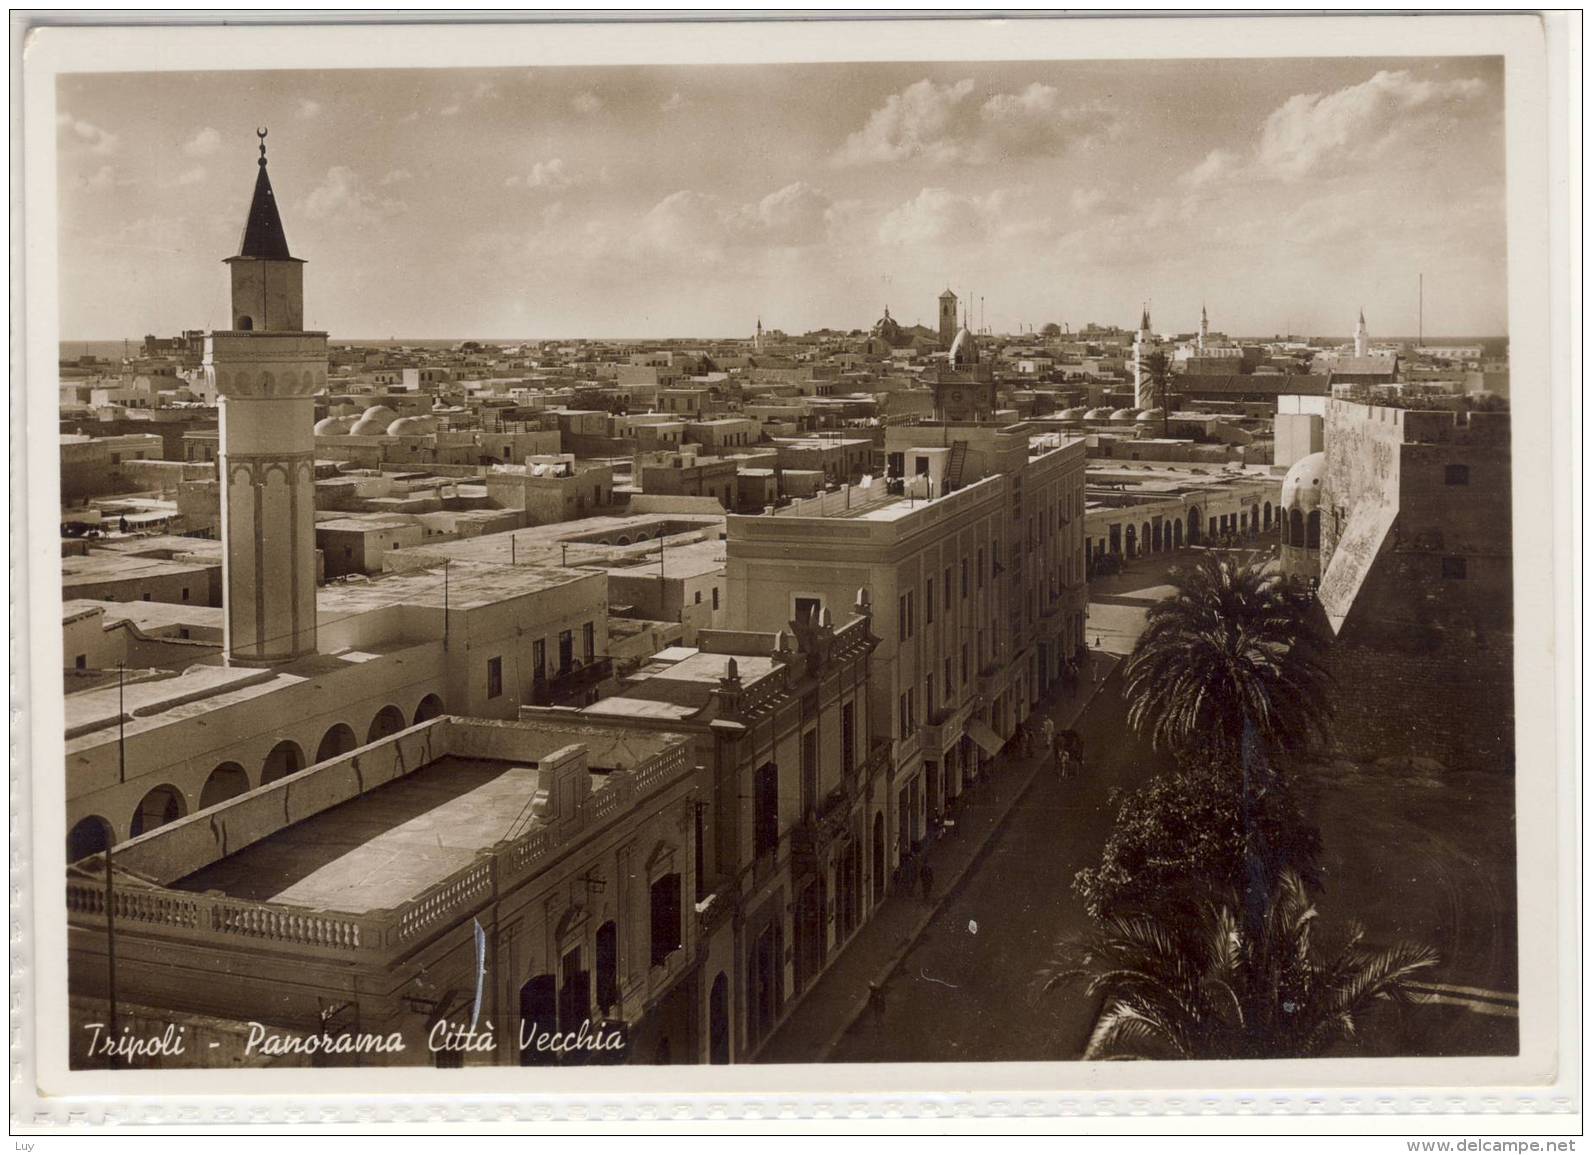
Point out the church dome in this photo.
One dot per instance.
(887, 329)
(1301, 488)
(332, 426)
(964, 349)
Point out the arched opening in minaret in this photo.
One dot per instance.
(245, 323)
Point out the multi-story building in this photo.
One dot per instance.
(790, 815)
(971, 554)
(546, 888)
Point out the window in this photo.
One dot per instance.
(1456, 475)
(928, 603)
(950, 683)
(539, 659)
(697, 600)
(912, 624)
(902, 721)
(588, 640)
(848, 737)
(946, 583)
(964, 663)
(494, 677)
(980, 567)
(566, 650)
(964, 577)
(665, 918)
(809, 771)
(1454, 568)
(765, 809)
(715, 597)
(184, 593)
(80, 662)
(808, 608)
(928, 696)
(608, 966)
(901, 618)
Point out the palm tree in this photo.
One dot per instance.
(1199, 986)
(1226, 666)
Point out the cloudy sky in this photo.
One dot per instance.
(687, 201)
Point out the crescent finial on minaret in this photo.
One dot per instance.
(261, 133)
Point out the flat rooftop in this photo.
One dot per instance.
(466, 585)
(384, 847)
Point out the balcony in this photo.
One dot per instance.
(815, 833)
(576, 685)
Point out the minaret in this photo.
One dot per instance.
(266, 370)
(947, 318)
(1143, 346)
(1205, 327)
(757, 342)
(1362, 340)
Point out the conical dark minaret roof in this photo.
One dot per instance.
(263, 236)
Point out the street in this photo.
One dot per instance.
(963, 994)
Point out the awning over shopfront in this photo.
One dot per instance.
(982, 733)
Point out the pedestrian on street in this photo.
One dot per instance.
(1049, 732)
(926, 877)
(876, 1000)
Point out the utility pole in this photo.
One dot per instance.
(121, 722)
(110, 944)
(1420, 314)
(445, 603)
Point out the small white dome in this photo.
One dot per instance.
(1301, 488)
(332, 426)
(1123, 415)
(410, 426)
(1077, 413)
(1150, 415)
(964, 349)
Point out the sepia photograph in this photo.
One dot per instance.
(933, 559)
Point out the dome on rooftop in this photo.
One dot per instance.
(1123, 414)
(409, 426)
(1301, 488)
(964, 349)
(1151, 414)
(1076, 413)
(332, 426)
(1100, 414)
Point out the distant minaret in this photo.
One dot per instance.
(266, 370)
(1143, 346)
(757, 341)
(1205, 327)
(947, 318)
(1362, 340)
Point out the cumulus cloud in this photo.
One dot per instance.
(343, 197)
(1218, 163)
(205, 143)
(944, 123)
(90, 136)
(552, 175)
(939, 216)
(675, 103)
(586, 103)
(105, 177)
(1313, 130)
(308, 109)
(707, 226)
